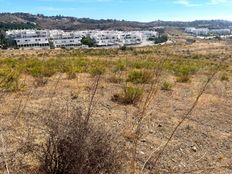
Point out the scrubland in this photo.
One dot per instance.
(158, 109)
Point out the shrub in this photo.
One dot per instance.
(71, 72)
(224, 77)
(160, 39)
(183, 79)
(138, 76)
(9, 81)
(75, 146)
(120, 66)
(184, 72)
(88, 41)
(96, 70)
(115, 79)
(37, 68)
(142, 63)
(167, 86)
(40, 81)
(130, 95)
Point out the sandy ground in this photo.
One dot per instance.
(202, 144)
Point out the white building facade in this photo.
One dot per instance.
(105, 38)
(206, 31)
(62, 39)
(29, 38)
(131, 38)
(220, 32)
(197, 31)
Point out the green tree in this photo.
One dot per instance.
(88, 41)
(161, 39)
(3, 40)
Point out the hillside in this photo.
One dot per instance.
(15, 20)
(67, 23)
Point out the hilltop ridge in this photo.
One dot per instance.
(27, 20)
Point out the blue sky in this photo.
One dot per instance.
(138, 10)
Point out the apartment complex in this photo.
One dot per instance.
(197, 31)
(29, 38)
(62, 39)
(206, 31)
(220, 32)
(106, 38)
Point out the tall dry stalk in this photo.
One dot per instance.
(4, 153)
(142, 112)
(186, 116)
(92, 96)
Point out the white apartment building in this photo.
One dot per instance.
(61, 39)
(220, 32)
(190, 29)
(201, 32)
(148, 34)
(197, 31)
(29, 38)
(106, 38)
(206, 31)
(131, 38)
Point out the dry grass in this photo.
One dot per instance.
(39, 89)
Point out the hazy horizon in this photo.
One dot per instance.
(130, 10)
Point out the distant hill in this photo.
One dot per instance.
(26, 20)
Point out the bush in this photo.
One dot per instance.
(88, 41)
(184, 72)
(161, 39)
(115, 79)
(9, 81)
(183, 79)
(71, 72)
(120, 66)
(97, 70)
(166, 86)
(142, 63)
(224, 77)
(138, 76)
(40, 81)
(76, 147)
(130, 95)
(38, 68)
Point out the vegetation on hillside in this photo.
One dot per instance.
(72, 23)
(160, 39)
(16, 26)
(139, 71)
(88, 41)
(104, 111)
(3, 40)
